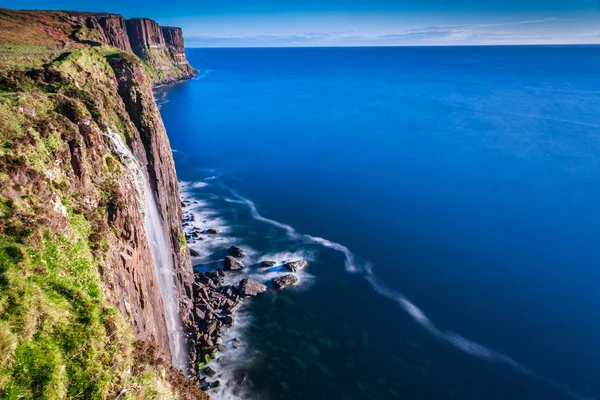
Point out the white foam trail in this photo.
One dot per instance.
(160, 249)
(242, 200)
(465, 345)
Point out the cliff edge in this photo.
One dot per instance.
(81, 312)
(39, 34)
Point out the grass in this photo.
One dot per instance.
(60, 337)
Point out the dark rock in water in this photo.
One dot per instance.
(296, 265)
(212, 231)
(235, 251)
(240, 378)
(194, 253)
(227, 320)
(203, 384)
(250, 287)
(231, 264)
(209, 371)
(284, 281)
(215, 384)
(268, 264)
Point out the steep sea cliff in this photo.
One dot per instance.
(96, 298)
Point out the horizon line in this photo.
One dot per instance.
(398, 45)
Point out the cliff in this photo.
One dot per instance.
(50, 32)
(81, 311)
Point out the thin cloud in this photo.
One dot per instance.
(478, 33)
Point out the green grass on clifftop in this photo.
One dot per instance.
(60, 337)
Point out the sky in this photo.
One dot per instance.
(259, 23)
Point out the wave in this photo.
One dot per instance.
(365, 269)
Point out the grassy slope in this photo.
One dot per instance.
(59, 336)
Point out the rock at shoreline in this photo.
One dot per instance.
(212, 231)
(284, 281)
(296, 265)
(268, 264)
(235, 251)
(250, 287)
(209, 371)
(231, 264)
(194, 253)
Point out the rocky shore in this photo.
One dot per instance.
(220, 288)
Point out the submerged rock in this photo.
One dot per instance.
(235, 251)
(194, 253)
(268, 264)
(296, 265)
(231, 264)
(284, 281)
(212, 231)
(250, 287)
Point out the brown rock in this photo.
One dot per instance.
(284, 281)
(268, 264)
(231, 264)
(296, 265)
(250, 287)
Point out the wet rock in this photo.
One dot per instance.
(212, 231)
(228, 320)
(231, 264)
(215, 384)
(296, 265)
(237, 343)
(204, 385)
(268, 264)
(235, 251)
(284, 281)
(194, 253)
(250, 287)
(199, 313)
(209, 371)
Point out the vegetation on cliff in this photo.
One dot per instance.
(69, 224)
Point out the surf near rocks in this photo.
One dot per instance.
(227, 278)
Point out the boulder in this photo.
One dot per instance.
(250, 287)
(209, 371)
(296, 265)
(268, 264)
(194, 253)
(235, 251)
(199, 313)
(212, 231)
(284, 281)
(231, 264)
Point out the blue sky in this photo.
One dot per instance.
(218, 23)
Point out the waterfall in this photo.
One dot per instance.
(161, 251)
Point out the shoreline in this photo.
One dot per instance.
(218, 349)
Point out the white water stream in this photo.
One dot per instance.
(161, 251)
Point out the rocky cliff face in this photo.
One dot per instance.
(72, 238)
(153, 149)
(165, 54)
(111, 28)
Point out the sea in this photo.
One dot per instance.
(447, 200)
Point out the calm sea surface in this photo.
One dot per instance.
(458, 190)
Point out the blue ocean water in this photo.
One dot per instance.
(464, 182)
